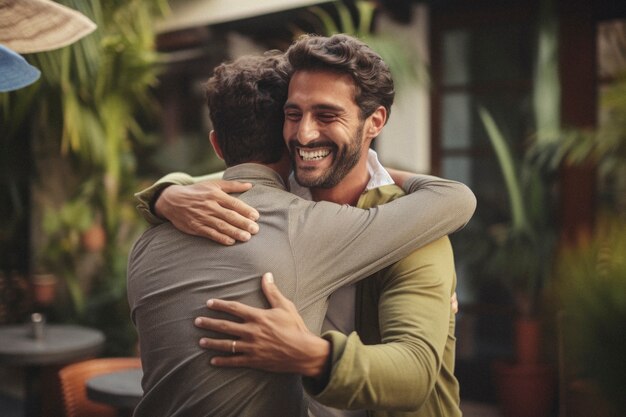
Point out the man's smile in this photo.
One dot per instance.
(313, 154)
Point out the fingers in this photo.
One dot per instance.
(233, 186)
(216, 223)
(236, 204)
(230, 328)
(235, 361)
(271, 291)
(214, 235)
(224, 345)
(205, 209)
(235, 308)
(229, 222)
(454, 303)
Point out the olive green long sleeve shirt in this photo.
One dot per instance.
(400, 361)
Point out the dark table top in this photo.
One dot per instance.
(60, 344)
(121, 389)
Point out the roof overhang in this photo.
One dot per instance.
(187, 14)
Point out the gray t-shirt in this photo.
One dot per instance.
(311, 248)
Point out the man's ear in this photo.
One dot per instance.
(215, 144)
(375, 122)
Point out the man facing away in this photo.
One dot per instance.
(404, 358)
(312, 248)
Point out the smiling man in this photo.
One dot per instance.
(340, 96)
(324, 136)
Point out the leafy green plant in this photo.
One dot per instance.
(84, 110)
(591, 285)
(405, 65)
(63, 228)
(522, 250)
(603, 147)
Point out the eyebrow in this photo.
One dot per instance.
(331, 107)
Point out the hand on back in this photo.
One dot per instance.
(206, 209)
(274, 339)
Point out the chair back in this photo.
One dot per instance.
(73, 378)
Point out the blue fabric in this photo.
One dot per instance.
(15, 72)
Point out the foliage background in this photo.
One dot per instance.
(80, 121)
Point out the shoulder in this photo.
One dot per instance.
(439, 251)
(432, 263)
(380, 195)
(161, 239)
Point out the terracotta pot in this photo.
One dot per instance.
(44, 288)
(528, 341)
(525, 390)
(94, 238)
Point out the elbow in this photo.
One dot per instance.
(466, 203)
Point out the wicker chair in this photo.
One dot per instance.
(73, 378)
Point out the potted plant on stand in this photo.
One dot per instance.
(521, 257)
(591, 285)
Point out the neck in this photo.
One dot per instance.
(282, 167)
(349, 189)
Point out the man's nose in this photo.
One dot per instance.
(307, 130)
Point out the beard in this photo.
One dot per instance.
(343, 161)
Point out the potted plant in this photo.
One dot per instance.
(591, 288)
(521, 258)
(522, 250)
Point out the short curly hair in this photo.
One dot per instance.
(245, 100)
(347, 55)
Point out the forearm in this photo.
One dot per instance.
(458, 198)
(399, 177)
(374, 377)
(400, 371)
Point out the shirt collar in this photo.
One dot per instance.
(256, 174)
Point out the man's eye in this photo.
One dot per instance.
(326, 117)
(292, 116)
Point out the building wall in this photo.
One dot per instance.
(405, 141)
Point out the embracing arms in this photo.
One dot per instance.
(404, 344)
(200, 206)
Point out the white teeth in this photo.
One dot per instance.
(313, 155)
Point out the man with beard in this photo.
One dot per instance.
(403, 355)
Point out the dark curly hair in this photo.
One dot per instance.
(347, 55)
(245, 100)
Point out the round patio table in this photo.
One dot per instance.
(120, 389)
(59, 345)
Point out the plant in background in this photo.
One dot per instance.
(405, 66)
(63, 228)
(83, 121)
(522, 250)
(603, 147)
(591, 285)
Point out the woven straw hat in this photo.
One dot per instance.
(28, 26)
(15, 72)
